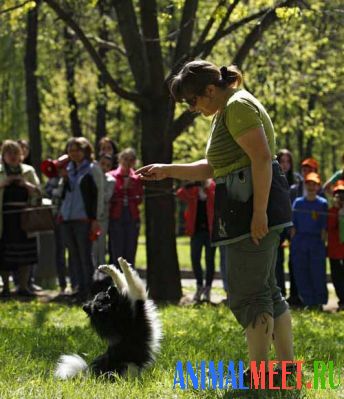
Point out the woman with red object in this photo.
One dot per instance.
(199, 217)
(124, 224)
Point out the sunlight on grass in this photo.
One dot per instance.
(33, 335)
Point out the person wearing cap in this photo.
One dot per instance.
(308, 165)
(339, 175)
(308, 250)
(335, 243)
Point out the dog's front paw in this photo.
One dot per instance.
(108, 269)
(117, 277)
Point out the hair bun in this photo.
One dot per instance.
(224, 73)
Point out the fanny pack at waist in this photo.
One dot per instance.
(234, 204)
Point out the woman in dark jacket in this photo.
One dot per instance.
(80, 210)
(19, 186)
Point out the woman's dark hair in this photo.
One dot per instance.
(104, 140)
(290, 174)
(83, 144)
(195, 76)
(24, 143)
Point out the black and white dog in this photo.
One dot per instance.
(127, 320)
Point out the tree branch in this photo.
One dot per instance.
(65, 17)
(14, 7)
(181, 123)
(107, 44)
(207, 47)
(256, 33)
(132, 40)
(221, 26)
(185, 33)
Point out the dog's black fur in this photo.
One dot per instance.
(127, 320)
(127, 331)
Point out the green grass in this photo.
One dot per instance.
(33, 335)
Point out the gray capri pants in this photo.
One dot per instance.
(251, 279)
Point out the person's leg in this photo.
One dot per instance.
(196, 252)
(84, 248)
(282, 330)
(251, 297)
(23, 278)
(337, 274)
(60, 259)
(210, 265)
(294, 297)
(210, 260)
(74, 260)
(131, 228)
(116, 237)
(318, 272)
(223, 267)
(5, 275)
(301, 266)
(280, 268)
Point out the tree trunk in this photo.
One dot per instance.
(32, 98)
(334, 158)
(163, 276)
(70, 61)
(309, 147)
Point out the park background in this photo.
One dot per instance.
(100, 68)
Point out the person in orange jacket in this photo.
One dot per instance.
(199, 216)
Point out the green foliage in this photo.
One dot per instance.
(296, 70)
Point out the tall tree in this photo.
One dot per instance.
(140, 35)
(32, 98)
(102, 96)
(70, 62)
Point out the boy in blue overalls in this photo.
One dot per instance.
(308, 244)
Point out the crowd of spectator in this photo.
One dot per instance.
(95, 202)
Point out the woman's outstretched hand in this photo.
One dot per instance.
(155, 171)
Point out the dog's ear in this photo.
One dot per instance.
(113, 293)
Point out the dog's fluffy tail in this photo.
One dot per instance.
(69, 366)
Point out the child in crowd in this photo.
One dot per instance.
(99, 245)
(308, 165)
(339, 175)
(335, 245)
(308, 244)
(124, 224)
(199, 220)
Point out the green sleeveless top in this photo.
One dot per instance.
(241, 113)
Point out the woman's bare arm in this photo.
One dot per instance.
(255, 145)
(199, 170)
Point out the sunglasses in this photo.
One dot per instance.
(191, 102)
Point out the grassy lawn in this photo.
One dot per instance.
(33, 335)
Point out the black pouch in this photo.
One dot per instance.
(234, 204)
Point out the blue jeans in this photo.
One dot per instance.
(199, 240)
(77, 241)
(123, 233)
